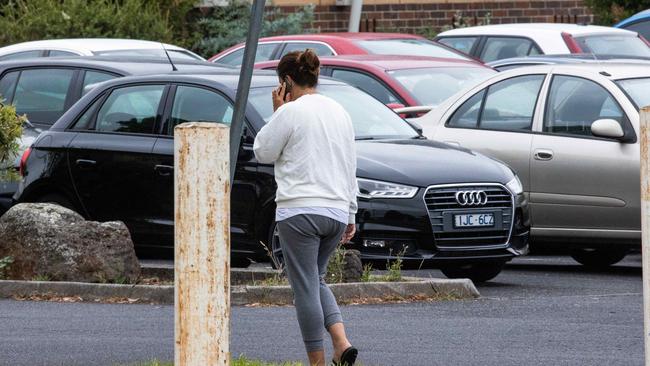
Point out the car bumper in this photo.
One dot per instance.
(388, 228)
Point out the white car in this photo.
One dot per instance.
(570, 132)
(94, 47)
(495, 42)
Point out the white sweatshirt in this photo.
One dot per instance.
(311, 142)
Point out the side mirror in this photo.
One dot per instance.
(608, 128)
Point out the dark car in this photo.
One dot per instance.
(575, 58)
(44, 88)
(110, 157)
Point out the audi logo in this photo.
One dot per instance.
(471, 198)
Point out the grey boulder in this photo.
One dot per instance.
(49, 241)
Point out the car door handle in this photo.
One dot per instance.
(543, 154)
(85, 163)
(164, 170)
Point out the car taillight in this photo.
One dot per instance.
(23, 161)
(571, 43)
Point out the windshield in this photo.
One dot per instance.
(371, 119)
(614, 45)
(637, 89)
(174, 54)
(433, 86)
(409, 47)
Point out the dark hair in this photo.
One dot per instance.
(302, 66)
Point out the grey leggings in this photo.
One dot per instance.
(307, 243)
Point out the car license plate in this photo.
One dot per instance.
(474, 220)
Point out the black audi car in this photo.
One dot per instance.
(44, 88)
(110, 157)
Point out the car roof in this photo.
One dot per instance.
(132, 65)
(567, 58)
(89, 44)
(227, 78)
(386, 62)
(342, 36)
(610, 70)
(526, 29)
(645, 14)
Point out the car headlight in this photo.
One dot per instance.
(377, 189)
(515, 186)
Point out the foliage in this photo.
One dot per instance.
(5, 262)
(394, 268)
(462, 21)
(228, 25)
(608, 12)
(26, 20)
(366, 274)
(11, 129)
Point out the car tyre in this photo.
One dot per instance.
(477, 272)
(598, 258)
(274, 247)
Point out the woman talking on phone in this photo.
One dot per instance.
(310, 139)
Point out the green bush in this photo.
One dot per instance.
(11, 129)
(27, 20)
(228, 25)
(608, 12)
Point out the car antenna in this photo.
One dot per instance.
(169, 58)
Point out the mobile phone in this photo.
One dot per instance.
(287, 88)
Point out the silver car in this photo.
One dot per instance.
(571, 134)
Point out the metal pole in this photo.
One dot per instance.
(355, 15)
(645, 223)
(237, 126)
(202, 244)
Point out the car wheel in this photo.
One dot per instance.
(477, 272)
(276, 256)
(598, 258)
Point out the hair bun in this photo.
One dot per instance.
(308, 61)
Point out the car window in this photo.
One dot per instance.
(636, 89)
(409, 47)
(366, 83)
(508, 106)
(94, 77)
(642, 27)
(235, 58)
(8, 85)
(510, 103)
(607, 44)
(193, 104)
(467, 115)
(497, 48)
(319, 48)
(463, 44)
(57, 53)
(20, 55)
(575, 103)
(130, 109)
(41, 94)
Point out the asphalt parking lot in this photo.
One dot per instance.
(542, 310)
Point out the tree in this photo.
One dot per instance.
(609, 12)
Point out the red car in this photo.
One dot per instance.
(331, 44)
(400, 81)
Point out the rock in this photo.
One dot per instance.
(49, 241)
(352, 266)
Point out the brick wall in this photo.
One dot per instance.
(428, 17)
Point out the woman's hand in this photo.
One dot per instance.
(350, 230)
(279, 96)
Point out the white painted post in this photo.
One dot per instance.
(355, 15)
(645, 223)
(202, 244)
